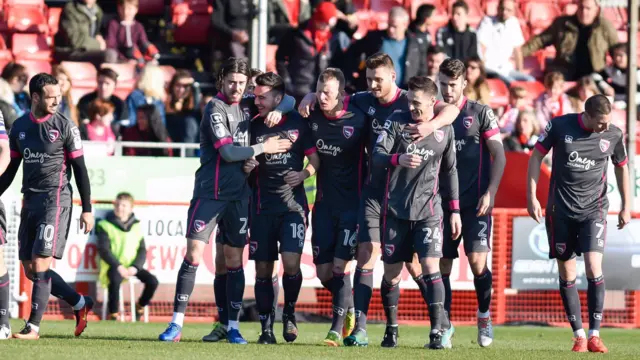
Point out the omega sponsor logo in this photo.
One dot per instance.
(576, 161)
(328, 149)
(424, 153)
(31, 157)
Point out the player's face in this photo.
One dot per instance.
(266, 100)
(328, 94)
(122, 209)
(421, 105)
(380, 81)
(48, 103)
(599, 123)
(233, 86)
(106, 87)
(451, 88)
(587, 12)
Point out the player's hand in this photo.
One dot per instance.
(456, 226)
(307, 104)
(623, 218)
(419, 131)
(294, 178)
(132, 271)
(86, 222)
(275, 145)
(273, 118)
(534, 209)
(485, 204)
(123, 272)
(249, 165)
(409, 160)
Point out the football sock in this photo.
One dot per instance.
(363, 290)
(264, 300)
(447, 293)
(435, 300)
(291, 285)
(571, 302)
(390, 297)
(39, 297)
(342, 294)
(220, 292)
(5, 294)
(483, 290)
(275, 285)
(62, 290)
(184, 285)
(235, 292)
(595, 302)
(422, 285)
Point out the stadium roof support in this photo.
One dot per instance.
(259, 36)
(632, 115)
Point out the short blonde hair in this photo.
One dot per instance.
(151, 82)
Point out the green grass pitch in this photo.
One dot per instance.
(124, 341)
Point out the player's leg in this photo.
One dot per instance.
(397, 250)
(449, 254)
(415, 270)
(201, 221)
(476, 234)
(591, 240)
(150, 286)
(275, 285)
(235, 223)
(219, 331)
(562, 237)
(292, 235)
(427, 241)
(5, 293)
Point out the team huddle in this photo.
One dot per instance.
(399, 175)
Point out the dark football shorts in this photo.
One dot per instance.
(569, 238)
(476, 234)
(232, 216)
(3, 225)
(43, 232)
(267, 230)
(335, 233)
(401, 238)
(369, 216)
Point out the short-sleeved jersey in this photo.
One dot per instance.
(340, 144)
(271, 194)
(578, 188)
(223, 123)
(378, 114)
(413, 194)
(44, 146)
(473, 126)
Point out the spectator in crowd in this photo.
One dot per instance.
(16, 76)
(616, 73)
(457, 38)
(397, 42)
(304, 52)
(508, 114)
(345, 27)
(78, 38)
(66, 105)
(581, 41)
(107, 80)
(585, 88)
(251, 85)
(123, 253)
(148, 128)
(285, 15)
(100, 122)
(500, 38)
(477, 87)
(150, 90)
(232, 24)
(435, 57)
(7, 104)
(553, 102)
(127, 37)
(419, 27)
(183, 109)
(525, 133)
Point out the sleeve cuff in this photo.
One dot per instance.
(15, 154)
(623, 162)
(395, 159)
(76, 154)
(310, 150)
(222, 142)
(454, 205)
(489, 133)
(4, 137)
(542, 149)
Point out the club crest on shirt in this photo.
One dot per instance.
(199, 225)
(389, 249)
(467, 121)
(372, 110)
(560, 248)
(548, 127)
(316, 251)
(604, 145)
(348, 131)
(253, 247)
(55, 135)
(247, 114)
(439, 135)
(293, 135)
(260, 139)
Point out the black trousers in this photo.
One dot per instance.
(150, 285)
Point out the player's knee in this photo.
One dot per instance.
(152, 283)
(478, 263)
(392, 273)
(567, 269)
(264, 269)
(365, 257)
(233, 256)
(445, 266)
(195, 249)
(430, 265)
(291, 264)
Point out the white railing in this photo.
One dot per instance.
(102, 148)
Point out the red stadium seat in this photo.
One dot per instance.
(54, 20)
(30, 47)
(34, 3)
(5, 54)
(499, 93)
(534, 88)
(29, 19)
(195, 6)
(36, 66)
(169, 70)
(83, 74)
(569, 8)
(540, 15)
(384, 5)
(195, 31)
(151, 7)
(361, 4)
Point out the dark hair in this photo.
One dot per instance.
(272, 80)
(483, 73)
(108, 73)
(39, 81)
(130, 2)
(379, 59)
(189, 101)
(597, 105)
(333, 73)
(616, 47)
(453, 68)
(424, 12)
(255, 72)
(12, 70)
(233, 65)
(435, 49)
(124, 196)
(423, 83)
(460, 4)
